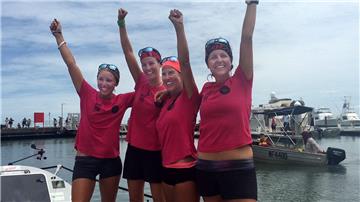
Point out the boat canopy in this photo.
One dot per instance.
(294, 110)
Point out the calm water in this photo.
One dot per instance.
(275, 183)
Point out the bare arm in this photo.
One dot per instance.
(74, 70)
(246, 48)
(134, 67)
(176, 18)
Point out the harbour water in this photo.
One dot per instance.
(275, 182)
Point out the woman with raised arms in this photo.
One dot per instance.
(177, 119)
(225, 166)
(97, 138)
(143, 156)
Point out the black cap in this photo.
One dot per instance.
(217, 44)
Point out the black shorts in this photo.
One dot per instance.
(89, 167)
(142, 165)
(236, 183)
(173, 176)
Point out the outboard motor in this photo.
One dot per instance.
(335, 155)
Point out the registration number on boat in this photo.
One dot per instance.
(278, 155)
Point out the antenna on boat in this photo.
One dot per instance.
(39, 155)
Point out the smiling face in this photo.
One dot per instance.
(219, 63)
(151, 68)
(172, 80)
(106, 83)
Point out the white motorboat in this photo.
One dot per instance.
(349, 120)
(26, 183)
(323, 117)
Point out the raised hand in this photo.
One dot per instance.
(176, 17)
(160, 96)
(55, 27)
(122, 13)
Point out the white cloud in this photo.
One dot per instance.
(307, 49)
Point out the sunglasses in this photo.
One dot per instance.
(108, 66)
(216, 40)
(148, 50)
(170, 58)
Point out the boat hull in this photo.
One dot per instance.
(350, 131)
(284, 155)
(350, 123)
(326, 122)
(279, 155)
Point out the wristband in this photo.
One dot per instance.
(249, 2)
(121, 23)
(61, 44)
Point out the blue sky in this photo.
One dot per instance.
(302, 49)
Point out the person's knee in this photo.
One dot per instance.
(82, 189)
(136, 190)
(106, 197)
(157, 192)
(109, 188)
(136, 197)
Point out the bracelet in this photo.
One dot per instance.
(249, 2)
(61, 44)
(121, 23)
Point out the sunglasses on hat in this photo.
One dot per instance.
(108, 66)
(217, 40)
(149, 51)
(170, 58)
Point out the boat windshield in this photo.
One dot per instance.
(24, 188)
(323, 110)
